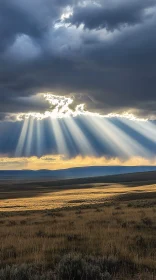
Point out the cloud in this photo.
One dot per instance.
(110, 64)
(32, 18)
(58, 162)
(110, 14)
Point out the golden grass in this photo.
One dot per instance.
(59, 198)
(116, 224)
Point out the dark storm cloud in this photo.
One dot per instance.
(110, 14)
(110, 64)
(32, 18)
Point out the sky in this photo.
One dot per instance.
(77, 83)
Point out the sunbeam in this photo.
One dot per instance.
(147, 129)
(22, 138)
(39, 136)
(29, 138)
(59, 138)
(119, 141)
(68, 137)
(130, 146)
(104, 135)
(80, 140)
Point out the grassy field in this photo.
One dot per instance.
(75, 230)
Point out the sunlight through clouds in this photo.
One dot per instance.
(146, 129)
(105, 135)
(39, 137)
(80, 139)
(22, 138)
(62, 148)
(66, 134)
(129, 145)
(29, 138)
(60, 108)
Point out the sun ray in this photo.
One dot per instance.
(147, 129)
(130, 146)
(29, 139)
(103, 134)
(22, 138)
(39, 140)
(84, 146)
(118, 140)
(61, 145)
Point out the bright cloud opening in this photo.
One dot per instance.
(60, 108)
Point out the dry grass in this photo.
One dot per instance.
(52, 198)
(100, 223)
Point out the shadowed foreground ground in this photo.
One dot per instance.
(101, 228)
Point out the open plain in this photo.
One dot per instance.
(95, 228)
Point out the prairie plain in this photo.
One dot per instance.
(95, 228)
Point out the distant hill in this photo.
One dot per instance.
(72, 173)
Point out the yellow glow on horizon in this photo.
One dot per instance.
(54, 162)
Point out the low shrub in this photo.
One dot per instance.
(71, 267)
(75, 267)
(24, 272)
